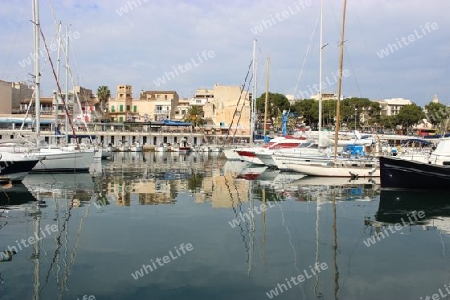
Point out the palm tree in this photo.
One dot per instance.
(103, 94)
(194, 116)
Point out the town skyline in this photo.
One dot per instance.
(391, 50)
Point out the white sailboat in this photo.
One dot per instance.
(57, 159)
(337, 166)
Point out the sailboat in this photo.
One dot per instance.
(57, 159)
(337, 166)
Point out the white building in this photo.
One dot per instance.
(391, 107)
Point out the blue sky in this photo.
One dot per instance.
(137, 42)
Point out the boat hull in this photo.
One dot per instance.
(404, 174)
(64, 161)
(16, 171)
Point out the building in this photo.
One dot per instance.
(326, 96)
(182, 108)
(226, 106)
(78, 114)
(158, 105)
(391, 107)
(120, 107)
(12, 94)
(150, 106)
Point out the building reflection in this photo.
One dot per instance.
(163, 176)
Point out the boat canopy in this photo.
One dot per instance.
(416, 141)
(168, 122)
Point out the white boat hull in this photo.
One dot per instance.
(57, 160)
(231, 154)
(341, 169)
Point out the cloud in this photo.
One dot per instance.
(142, 44)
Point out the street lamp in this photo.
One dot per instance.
(355, 117)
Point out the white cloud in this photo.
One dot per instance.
(142, 44)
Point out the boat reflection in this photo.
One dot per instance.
(15, 195)
(399, 205)
(77, 187)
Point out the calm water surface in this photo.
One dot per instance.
(192, 227)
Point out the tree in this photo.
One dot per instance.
(437, 114)
(194, 116)
(277, 103)
(103, 94)
(308, 109)
(389, 122)
(409, 115)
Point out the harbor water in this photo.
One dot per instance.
(195, 226)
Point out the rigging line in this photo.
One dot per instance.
(58, 85)
(75, 248)
(239, 100)
(283, 223)
(236, 214)
(347, 55)
(66, 242)
(443, 244)
(377, 78)
(242, 108)
(317, 240)
(13, 44)
(308, 51)
(59, 244)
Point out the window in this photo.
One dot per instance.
(128, 108)
(121, 118)
(112, 108)
(134, 108)
(121, 108)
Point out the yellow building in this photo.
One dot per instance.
(12, 94)
(120, 108)
(221, 104)
(150, 106)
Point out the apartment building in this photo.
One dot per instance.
(12, 94)
(221, 103)
(391, 107)
(149, 106)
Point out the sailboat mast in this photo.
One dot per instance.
(266, 103)
(253, 102)
(37, 79)
(341, 62)
(58, 64)
(320, 67)
(66, 125)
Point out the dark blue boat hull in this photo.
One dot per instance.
(16, 170)
(404, 174)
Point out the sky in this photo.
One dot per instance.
(392, 48)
